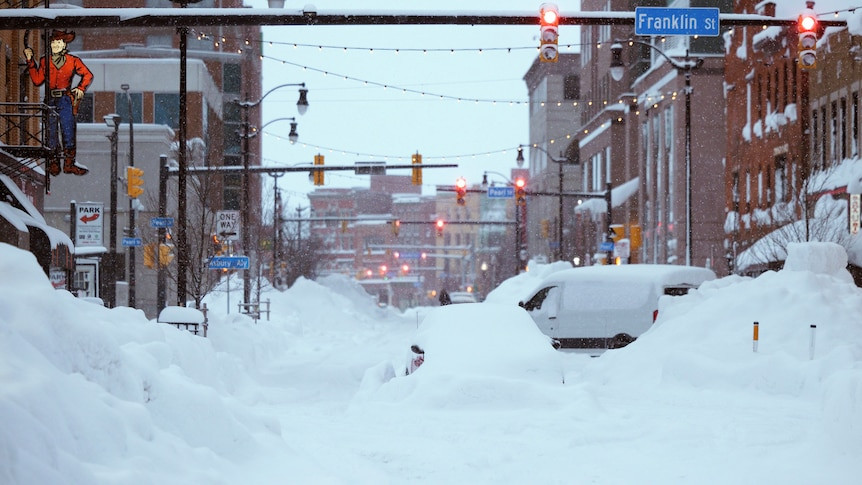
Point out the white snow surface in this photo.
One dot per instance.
(90, 395)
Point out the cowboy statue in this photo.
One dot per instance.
(62, 97)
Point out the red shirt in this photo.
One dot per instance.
(61, 78)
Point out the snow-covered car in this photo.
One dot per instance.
(606, 307)
(462, 297)
(487, 339)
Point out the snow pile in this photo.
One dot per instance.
(706, 338)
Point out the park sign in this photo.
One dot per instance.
(676, 21)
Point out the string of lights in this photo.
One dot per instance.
(220, 39)
(574, 103)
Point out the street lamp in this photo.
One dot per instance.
(686, 66)
(113, 121)
(132, 228)
(247, 134)
(572, 158)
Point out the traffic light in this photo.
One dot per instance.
(134, 182)
(461, 190)
(440, 224)
(216, 245)
(546, 228)
(165, 255)
(405, 268)
(618, 231)
(807, 26)
(520, 191)
(318, 174)
(396, 226)
(549, 20)
(416, 178)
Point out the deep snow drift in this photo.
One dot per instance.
(92, 395)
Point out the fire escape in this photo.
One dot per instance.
(24, 141)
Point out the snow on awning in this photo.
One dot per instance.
(619, 195)
(18, 210)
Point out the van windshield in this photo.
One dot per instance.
(603, 295)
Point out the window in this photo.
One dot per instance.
(571, 87)
(121, 105)
(85, 109)
(232, 78)
(815, 136)
(668, 147)
(834, 133)
(842, 132)
(167, 109)
(781, 178)
(854, 125)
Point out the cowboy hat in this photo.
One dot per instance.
(65, 36)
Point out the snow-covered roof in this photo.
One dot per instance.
(619, 194)
(21, 214)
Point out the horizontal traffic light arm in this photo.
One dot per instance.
(582, 195)
(108, 18)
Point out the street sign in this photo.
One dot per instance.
(606, 246)
(410, 255)
(855, 211)
(227, 225)
(501, 192)
(676, 21)
(161, 222)
(623, 248)
(132, 242)
(89, 217)
(229, 262)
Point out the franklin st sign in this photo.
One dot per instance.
(676, 21)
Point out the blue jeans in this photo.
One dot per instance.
(65, 118)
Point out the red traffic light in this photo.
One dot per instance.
(548, 14)
(807, 22)
(440, 223)
(461, 190)
(520, 183)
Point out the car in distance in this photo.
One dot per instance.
(606, 306)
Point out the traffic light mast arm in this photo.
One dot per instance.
(308, 168)
(107, 18)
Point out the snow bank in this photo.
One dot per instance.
(705, 339)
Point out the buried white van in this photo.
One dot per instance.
(606, 307)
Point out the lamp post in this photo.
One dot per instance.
(247, 134)
(569, 160)
(276, 222)
(132, 228)
(113, 121)
(686, 66)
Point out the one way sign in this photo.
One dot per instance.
(227, 225)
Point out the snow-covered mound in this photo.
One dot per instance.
(706, 338)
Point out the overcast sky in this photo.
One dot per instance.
(349, 121)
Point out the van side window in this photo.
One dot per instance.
(676, 290)
(535, 303)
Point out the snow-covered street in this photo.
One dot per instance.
(91, 395)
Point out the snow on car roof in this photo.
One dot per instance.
(666, 274)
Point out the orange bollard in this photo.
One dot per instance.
(756, 336)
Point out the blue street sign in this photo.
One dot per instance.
(676, 21)
(129, 242)
(606, 246)
(229, 262)
(159, 222)
(501, 192)
(410, 255)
